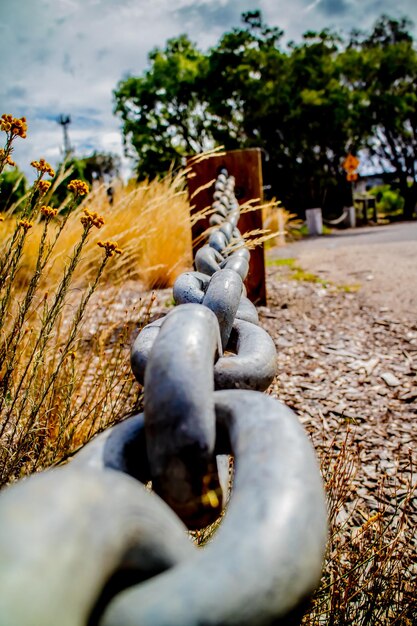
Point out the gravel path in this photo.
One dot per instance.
(381, 262)
(349, 370)
(349, 360)
(343, 364)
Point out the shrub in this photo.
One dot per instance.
(388, 200)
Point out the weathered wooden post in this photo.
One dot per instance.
(246, 167)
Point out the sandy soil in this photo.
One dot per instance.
(383, 271)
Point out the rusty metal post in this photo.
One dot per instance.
(246, 167)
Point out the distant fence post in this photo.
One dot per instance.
(351, 216)
(246, 167)
(314, 222)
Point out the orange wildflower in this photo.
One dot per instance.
(78, 187)
(110, 248)
(91, 219)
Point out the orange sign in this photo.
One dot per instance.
(351, 163)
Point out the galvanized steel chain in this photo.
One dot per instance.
(112, 553)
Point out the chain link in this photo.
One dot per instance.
(90, 544)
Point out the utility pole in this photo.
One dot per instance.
(65, 120)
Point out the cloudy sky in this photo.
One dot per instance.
(67, 56)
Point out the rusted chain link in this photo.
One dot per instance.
(88, 544)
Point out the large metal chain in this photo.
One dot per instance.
(88, 543)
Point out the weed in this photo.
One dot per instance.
(303, 231)
(298, 273)
(349, 288)
(281, 262)
(307, 277)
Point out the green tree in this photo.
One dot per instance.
(381, 69)
(306, 106)
(291, 104)
(244, 92)
(316, 131)
(163, 113)
(245, 67)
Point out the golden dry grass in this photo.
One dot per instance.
(369, 572)
(149, 221)
(280, 222)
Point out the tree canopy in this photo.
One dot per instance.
(306, 105)
(163, 111)
(382, 70)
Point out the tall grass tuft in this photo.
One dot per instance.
(39, 381)
(149, 220)
(283, 224)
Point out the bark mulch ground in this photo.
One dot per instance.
(343, 365)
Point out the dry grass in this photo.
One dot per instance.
(59, 399)
(54, 393)
(283, 224)
(370, 572)
(149, 221)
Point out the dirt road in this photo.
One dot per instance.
(381, 262)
